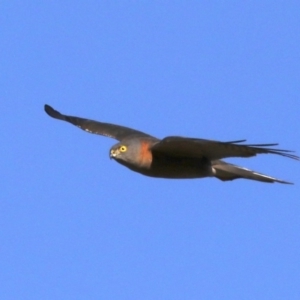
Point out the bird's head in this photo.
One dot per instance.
(125, 152)
(132, 152)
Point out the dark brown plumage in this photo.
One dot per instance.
(176, 157)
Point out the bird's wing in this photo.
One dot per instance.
(225, 172)
(110, 130)
(200, 148)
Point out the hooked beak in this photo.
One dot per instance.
(113, 153)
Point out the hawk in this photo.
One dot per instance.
(174, 156)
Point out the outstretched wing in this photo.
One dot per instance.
(110, 130)
(200, 148)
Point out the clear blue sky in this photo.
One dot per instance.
(77, 225)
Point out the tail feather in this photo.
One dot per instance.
(225, 171)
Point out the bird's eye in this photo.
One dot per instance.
(123, 148)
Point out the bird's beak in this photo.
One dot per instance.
(113, 153)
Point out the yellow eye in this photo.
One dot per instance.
(123, 148)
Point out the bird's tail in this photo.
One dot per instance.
(225, 171)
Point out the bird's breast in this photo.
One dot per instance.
(145, 155)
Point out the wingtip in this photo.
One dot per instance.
(52, 112)
(286, 182)
(49, 110)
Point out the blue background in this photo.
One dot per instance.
(76, 225)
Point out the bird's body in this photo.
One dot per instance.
(175, 157)
(153, 164)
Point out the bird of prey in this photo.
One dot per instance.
(174, 156)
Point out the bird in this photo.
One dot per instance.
(176, 157)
